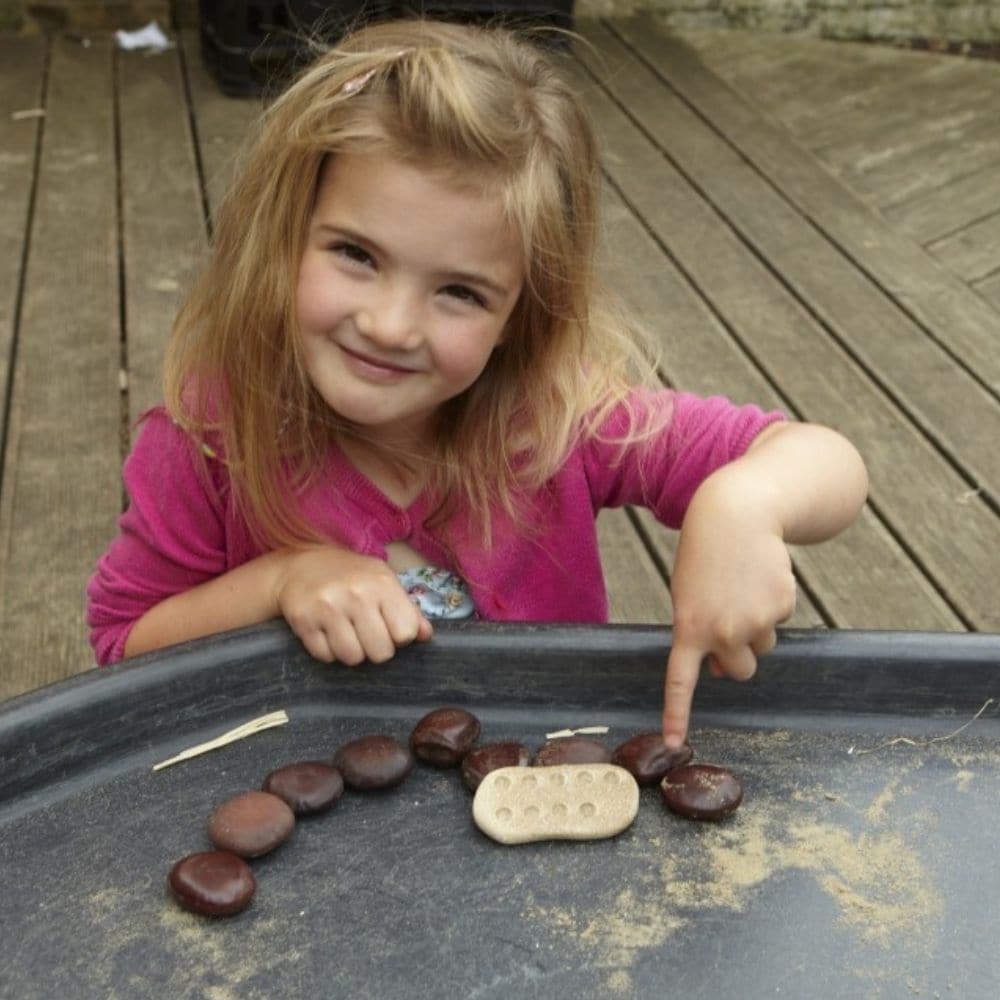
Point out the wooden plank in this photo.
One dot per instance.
(804, 72)
(637, 592)
(948, 94)
(921, 166)
(945, 87)
(915, 488)
(62, 465)
(845, 79)
(973, 252)
(904, 136)
(701, 354)
(948, 208)
(698, 355)
(858, 311)
(915, 605)
(22, 65)
(989, 289)
(883, 335)
(222, 123)
(163, 223)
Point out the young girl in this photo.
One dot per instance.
(397, 391)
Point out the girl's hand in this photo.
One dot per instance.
(732, 581)
(345, 606)
(731, 585)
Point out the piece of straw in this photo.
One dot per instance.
(583, 730)
(239, 733)
(922, 743)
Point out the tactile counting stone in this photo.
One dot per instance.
(516, 805)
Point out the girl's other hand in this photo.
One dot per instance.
(345, 606)
(731, 585)
(732, 582)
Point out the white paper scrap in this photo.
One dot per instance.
(150, 37)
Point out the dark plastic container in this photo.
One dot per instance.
(254, 46)
(863, 861)
(516, 13)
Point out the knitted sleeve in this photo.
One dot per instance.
(698, 436)
(170, 538)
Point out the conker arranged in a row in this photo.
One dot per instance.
(220, 882)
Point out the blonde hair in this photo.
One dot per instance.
(478, 103)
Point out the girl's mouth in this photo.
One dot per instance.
(374, 367)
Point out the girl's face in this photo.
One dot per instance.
(404, 289)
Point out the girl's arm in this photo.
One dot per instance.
(732, 581)
(342, 605)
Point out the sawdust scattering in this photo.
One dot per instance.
(220, 993)
(883, 891)
(616, 933)
(629, 924)
(876, 811)
(881, 886)
(619, 983)
(739, 857)
(204, 947)
(963, 779)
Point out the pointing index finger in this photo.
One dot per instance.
(683, 666)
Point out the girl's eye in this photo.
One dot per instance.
(464, 294)
(353, 253)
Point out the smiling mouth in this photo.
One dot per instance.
(376, 364)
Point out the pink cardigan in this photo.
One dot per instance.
(180, 529)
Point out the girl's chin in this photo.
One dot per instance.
(404, 434)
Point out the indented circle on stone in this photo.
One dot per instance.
(373, 762)
(572, 750)
(444, 736)
(701, 791)
(309, 786)
(251, 824)
(214, 883)
(476, 764)
(647, 759)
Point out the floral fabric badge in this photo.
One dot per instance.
(438, 593)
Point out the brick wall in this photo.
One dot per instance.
(949, 20)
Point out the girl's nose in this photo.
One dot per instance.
(390, 320)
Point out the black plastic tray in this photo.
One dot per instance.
(863, 861)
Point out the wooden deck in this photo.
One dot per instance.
(810, 225)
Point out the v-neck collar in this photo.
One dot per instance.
(354, 482)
